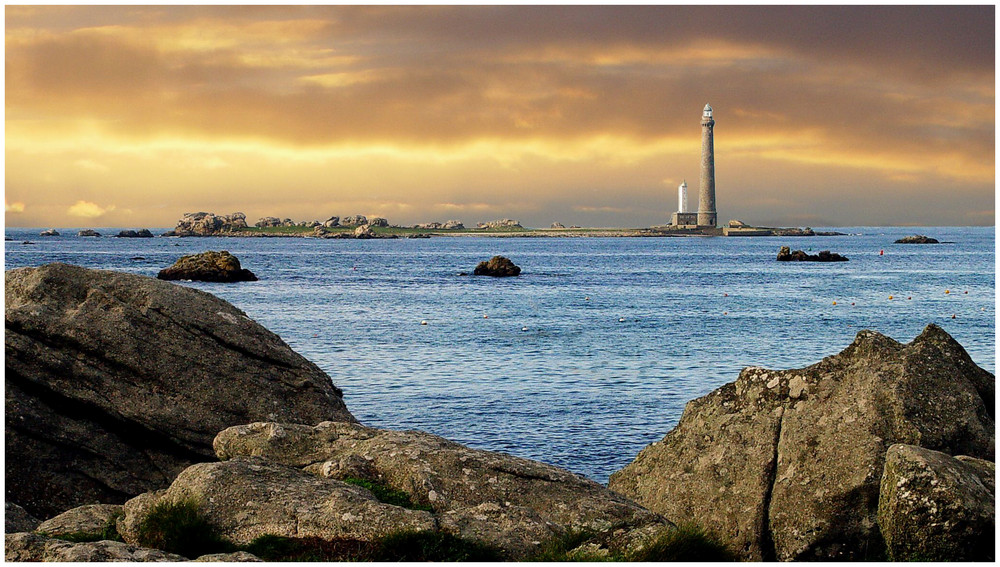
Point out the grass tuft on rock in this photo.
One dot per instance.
(388, 495)
(689, 542)
(108, 533)
(181, 528)
(567, 548)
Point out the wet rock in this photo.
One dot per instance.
(498, 267)
(88, 519)
(88, 232)
(34, 547)
(917, 239)
(787, 464)
(141, 233)
(49, 232)
(208, 266)
(117, 382)
(784, 255)
(935, 507)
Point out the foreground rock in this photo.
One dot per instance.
(784, 255)
(934, 507)
(35, 547)
(498, 267)
(288, 480)
(917, 239)
(17, 519)
(208, 224)
(787, 464)
(89, 519)
(208, 267)
(116, 382)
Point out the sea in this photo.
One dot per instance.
(594, 350)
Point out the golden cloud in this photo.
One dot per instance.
(88, 210)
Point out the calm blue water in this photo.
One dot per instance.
(579, 388)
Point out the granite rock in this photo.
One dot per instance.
(935, 507)
(117, 382)
(87, 519)
(787, 464)
(35, 547)
(498, 267)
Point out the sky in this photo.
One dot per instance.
(131, 116)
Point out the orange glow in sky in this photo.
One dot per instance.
(130, 116)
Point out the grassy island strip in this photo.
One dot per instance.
(404, 232)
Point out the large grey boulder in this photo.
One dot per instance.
(117, 382)
(787, 464)
(250, 497)
(35, 547)
(513, 503)
(935, 507)
(88, 519)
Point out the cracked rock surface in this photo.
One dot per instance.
(117, 382)
(787, 464)
(513, 503)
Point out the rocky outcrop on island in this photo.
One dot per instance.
(208, 266)
(49, 232)
(917, 239)
(502, 223)
(141, 233)
(788, 464)
(117, 382)
(935, 507)
(354, 220)
(447, 225)
(364, 231)
(208, 224)
(557, 225)
(498, 267)
(88, 232)
(785, 255)
(331, 222)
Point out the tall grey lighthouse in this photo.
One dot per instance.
(706, 195)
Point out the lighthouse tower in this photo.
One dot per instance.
(706, 195)
(682, 197)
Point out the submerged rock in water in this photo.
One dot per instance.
(116, 382)
(917, 239)
(208, 266)
(498, 267)
(787, 464)
(784, 255)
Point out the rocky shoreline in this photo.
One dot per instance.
(133, 403)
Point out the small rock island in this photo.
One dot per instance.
(498, 267)
(785, 255)
(917, 239)
(208, 267)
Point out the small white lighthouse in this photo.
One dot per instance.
(682, 197)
